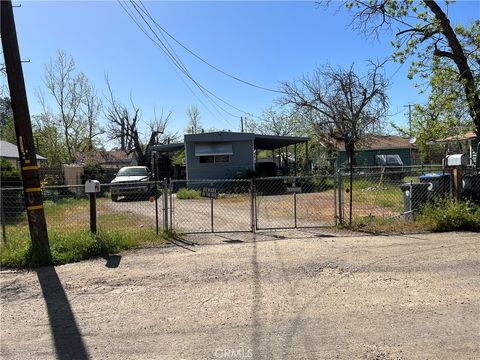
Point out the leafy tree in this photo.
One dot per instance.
(424, 32)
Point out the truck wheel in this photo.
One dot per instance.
(115, 198)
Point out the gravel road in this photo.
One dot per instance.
(277, 295)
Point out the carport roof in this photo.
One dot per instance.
(261, 142)
(271, 142)
(168, 147)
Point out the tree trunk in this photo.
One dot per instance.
(460, 59)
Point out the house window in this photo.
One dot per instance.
(222, 158)
(207, 159)
(210, 159)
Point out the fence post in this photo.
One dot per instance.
(294, 203)
(340, 195)
(165, 204)
(252, 204)
(211, 210)
(335, 199)
(2, 215)
(170, 197)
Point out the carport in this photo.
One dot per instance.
(277, 142)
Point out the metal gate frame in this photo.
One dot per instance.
(169, 205)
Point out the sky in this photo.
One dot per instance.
(264, 43)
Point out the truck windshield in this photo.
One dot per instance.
(133, 172)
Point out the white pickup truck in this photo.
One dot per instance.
(132, 181)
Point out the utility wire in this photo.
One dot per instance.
(180, 63)
(181, 66)
(147, 13)
(176, 63)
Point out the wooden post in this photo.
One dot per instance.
(25, 141)
(93, 213)
(457, 182)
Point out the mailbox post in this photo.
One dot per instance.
(456, 163)
(92, 187)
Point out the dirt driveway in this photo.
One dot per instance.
(292, 295)
(233, 213)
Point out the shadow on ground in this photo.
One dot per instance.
(65, 332)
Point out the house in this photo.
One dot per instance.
(108, 159)
(9, 152)
(366, 151)
(462, 144)
(226, 155)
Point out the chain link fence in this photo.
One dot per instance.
(146, 207)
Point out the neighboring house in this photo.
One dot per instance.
(108, 159)
(9, 152)
(462, 144)
(366, 151)
(225, 155)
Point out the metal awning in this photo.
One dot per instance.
(168, 147)
(209, 149)
(272, 142)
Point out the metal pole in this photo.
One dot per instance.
(335, 195)
(211, 211)
(252, 205)
(93, 213)
(155, 193)
(25, 141)
(295, 156)
(306, 158)
(165, 205)
(2, 214)
(170, 188)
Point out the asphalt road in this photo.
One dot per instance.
(293, 295)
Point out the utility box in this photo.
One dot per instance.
(414, 196)
(456, 160)
(92, 186)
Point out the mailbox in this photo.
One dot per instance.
(456, 160)
(92, 186)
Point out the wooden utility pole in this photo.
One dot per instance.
(25, 141)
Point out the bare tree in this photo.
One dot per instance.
(124, 127)
(342, 104)
(194, 117)
(91, 111)
(278, 122)
(67, 88)
(120, 120)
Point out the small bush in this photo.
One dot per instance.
(185, 194)
(450, 215)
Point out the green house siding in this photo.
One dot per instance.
(367, 157)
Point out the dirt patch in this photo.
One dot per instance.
(298, 295)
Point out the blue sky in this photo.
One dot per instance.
(261, 42)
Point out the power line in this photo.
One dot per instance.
(181, 65)
(175, 63)
(203, 60)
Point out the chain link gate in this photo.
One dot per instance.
(200, 206)
(228, 205)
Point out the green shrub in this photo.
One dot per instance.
(185, 194)
(450, 215)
